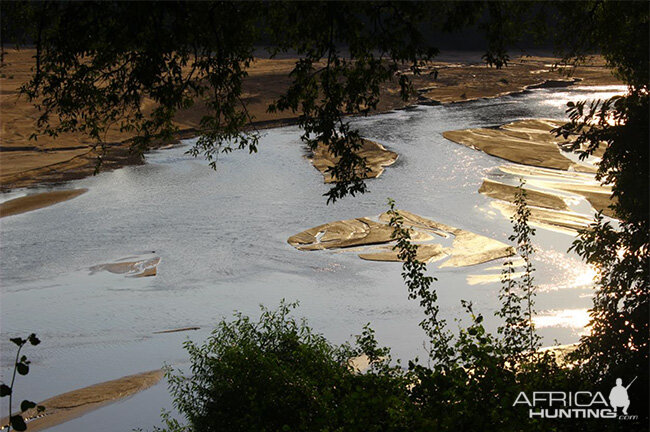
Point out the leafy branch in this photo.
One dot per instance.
(21, 366)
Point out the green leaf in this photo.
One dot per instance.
(5, 390)
(18, 423)
(22, 368)
(25, 405)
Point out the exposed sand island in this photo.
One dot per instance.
(528, 142)
(506, 192)
(583, 184)
(547, 210)
(36, 201)
(467, 247)
(25, 162)
(561, 221)
(67, 406)
(551, 177)
(131, 266)
(376, 156)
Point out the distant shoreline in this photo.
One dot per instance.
(28, 163)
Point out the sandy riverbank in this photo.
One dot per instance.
(24, 162)
(37, 201)
(67, 406)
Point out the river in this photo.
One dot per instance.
(221, 237)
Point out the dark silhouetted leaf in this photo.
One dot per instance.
(22, 368)
(18, 423)
(18, 341)
(25, 405)
(33, 339)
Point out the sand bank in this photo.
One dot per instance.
(508, 193)
(581, 184)
(528, 142)
(25, 162)
(467, 248)
(544, 166)
(131, 266)
(465, 82)
(567, 222)
(67, 406)
(347, 233)
(376, 156)
(600, 197)
(37, 201)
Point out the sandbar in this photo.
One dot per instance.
(363, 234)
(36, 201)
(527, 142)
(375, 155)
(67, 406)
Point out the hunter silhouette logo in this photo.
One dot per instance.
(618, 396)
(579, 404)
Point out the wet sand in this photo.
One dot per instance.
(363, 234)
(376, 156)
(67, 406)
(543, 165)
(527, 142)
(567, 222)
(508, 193)
(143, 266)
(37, 201)
(582, 184)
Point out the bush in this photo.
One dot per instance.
(276, 374)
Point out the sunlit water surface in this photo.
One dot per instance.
(222, 238)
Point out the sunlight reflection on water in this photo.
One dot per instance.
(221, 237)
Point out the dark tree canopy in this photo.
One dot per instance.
(97, 62)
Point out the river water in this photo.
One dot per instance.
(221, 237)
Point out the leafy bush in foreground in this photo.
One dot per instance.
(276, 375)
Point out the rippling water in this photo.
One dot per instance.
(221, 237)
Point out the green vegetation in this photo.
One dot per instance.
(21, 366)
(276, 374)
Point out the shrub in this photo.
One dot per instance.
(276, 374)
